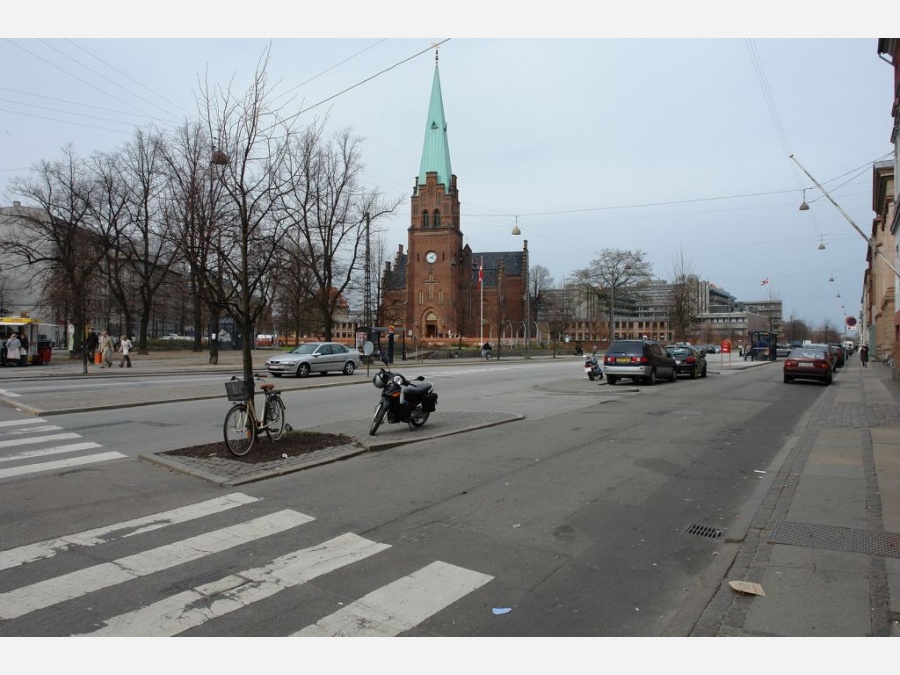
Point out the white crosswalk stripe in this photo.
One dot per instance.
(401, 605)
(129, 528)
(390, 610)
(27, 433)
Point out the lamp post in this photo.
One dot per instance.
(218, 158)
(525, 274)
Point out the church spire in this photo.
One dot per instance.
(436, 151)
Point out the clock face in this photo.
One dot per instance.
(431, 256)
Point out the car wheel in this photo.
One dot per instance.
(694, 373)
(611, 379)
(787, 379)
(651, 380)
(674, 376)
(303, 370)
(829, 381)
(703, 374)
(349, 367)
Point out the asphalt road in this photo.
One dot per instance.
(579, 520)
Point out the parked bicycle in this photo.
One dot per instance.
(242, 423)
(888, 360)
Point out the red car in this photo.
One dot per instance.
(808, 363)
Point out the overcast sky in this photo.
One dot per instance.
(662, 144)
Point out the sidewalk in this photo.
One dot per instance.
(824, 542)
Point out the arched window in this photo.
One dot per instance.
(424, 220)
(437, 218)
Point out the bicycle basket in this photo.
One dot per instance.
(239, 390)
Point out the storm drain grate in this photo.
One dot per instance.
(705, 531)
(885, 544)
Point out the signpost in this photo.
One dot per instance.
(726, 349)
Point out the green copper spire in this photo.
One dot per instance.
(436, 152)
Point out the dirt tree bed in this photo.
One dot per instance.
(292, 444)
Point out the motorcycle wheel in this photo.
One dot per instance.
(377, 418)
(591, 375)
(417, 417)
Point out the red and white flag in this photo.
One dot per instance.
(481, 273)
(765, 281)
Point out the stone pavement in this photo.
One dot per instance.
(820, 538)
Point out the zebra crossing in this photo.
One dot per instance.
(389, 610)
(19, 456)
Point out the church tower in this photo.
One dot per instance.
(438, 288)
(435, 256)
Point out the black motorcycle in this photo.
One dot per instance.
(592, 367)
(402, 400)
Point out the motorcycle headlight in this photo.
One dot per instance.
(398, 380)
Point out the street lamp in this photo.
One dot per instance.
(218, 158)
(516, 232)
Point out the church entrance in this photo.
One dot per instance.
(431, 325)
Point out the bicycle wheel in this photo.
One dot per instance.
(274, 418)
(240, 431)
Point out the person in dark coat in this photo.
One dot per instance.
(23, 345)
(91, 342)
(864, 356)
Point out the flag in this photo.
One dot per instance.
(765, 281)
(481, 273)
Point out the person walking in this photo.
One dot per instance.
(90, 345)
(125, 348)
(23, 348)
(12, 350)
(864, 356)
(106, 350)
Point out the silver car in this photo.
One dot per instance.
(314, 357)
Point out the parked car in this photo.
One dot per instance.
(840, 352)
(833, 354)
(639, 360)
(314, 357)
(782, 350)
(688, 361)
(809, 363)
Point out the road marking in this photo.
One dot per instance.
(9, 394)
(38, 439)
(22, 432)
(18, 423)
(60, 464)
(194, 607)
(57, 450)
(101, 535)
(50, 592)
(400, 605)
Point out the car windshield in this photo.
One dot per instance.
(305, 349)
(678, 351)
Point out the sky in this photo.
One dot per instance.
(673, 139)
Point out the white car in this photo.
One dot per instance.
(314, 357)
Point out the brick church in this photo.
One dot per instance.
(439, 288)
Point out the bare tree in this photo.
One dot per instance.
(325, 210)
(683, 297)
(612, 273)
(558, 310)
(253, 140)
(539, 282)
(61, 235)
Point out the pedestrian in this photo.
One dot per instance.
(12, 349)
(90, 345)
(125, 348)
(486, 350)
(23, 348)
(106, 349)
(3, 352)
(864, 356)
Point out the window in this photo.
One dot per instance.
(424, 220)
(437, 218)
